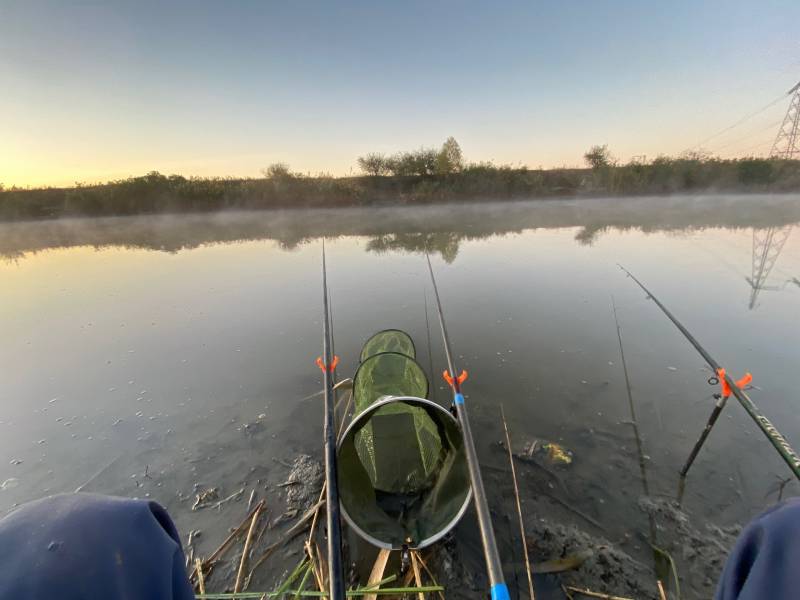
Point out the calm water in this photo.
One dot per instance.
(135, 350)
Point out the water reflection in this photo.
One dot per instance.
(767, 247)
(440, 229)
(445, 244)
(661, 563)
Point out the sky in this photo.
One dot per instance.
(98, 90)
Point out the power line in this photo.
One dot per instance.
(759, 145)
(738, 123)
(749, 135)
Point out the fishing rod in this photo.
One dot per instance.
(498, 587)
(327, 364)
(729, 386)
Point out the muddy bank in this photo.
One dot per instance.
(215, 484)
(630, 566)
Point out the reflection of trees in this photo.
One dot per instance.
(292, 240)
(587, 235)
(292, 243)
(439, 228)
(445, 243)
(12, 257)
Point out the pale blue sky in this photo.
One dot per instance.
(93, 90)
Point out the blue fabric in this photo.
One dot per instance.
(86, 546)
(82, 546)
(765, 561)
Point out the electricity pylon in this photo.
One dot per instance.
(786, 142)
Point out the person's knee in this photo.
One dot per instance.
(765, 560)
(91, 546)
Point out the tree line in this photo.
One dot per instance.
(413, 177)
(425, 161)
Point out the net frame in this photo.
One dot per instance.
(447, 417)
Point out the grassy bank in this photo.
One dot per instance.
(280, 188)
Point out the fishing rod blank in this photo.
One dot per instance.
(498, 588)
(730, 387)
(327, 364)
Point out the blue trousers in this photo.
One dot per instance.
(87, 546)
(765, 561)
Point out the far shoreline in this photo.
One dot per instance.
(155, 193)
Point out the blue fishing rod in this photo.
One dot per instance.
(498, 587)
(327, 364)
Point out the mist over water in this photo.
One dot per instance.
(407, 227)
(144, 355)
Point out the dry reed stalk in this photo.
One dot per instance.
(323, 567)
(376, 575)
(218, 505)
(662, 594)
(314, 568)
(592, 594)
(417, 576)
(320, 504)
(519, 505)
(344, 416)
(292, 532)
(201, 582)
(428, 571)
(342, 384)
(226, 544)
(243, 562)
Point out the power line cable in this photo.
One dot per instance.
(749, 135)
(760, 144)
(738, 123)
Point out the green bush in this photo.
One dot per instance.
(755, 171)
